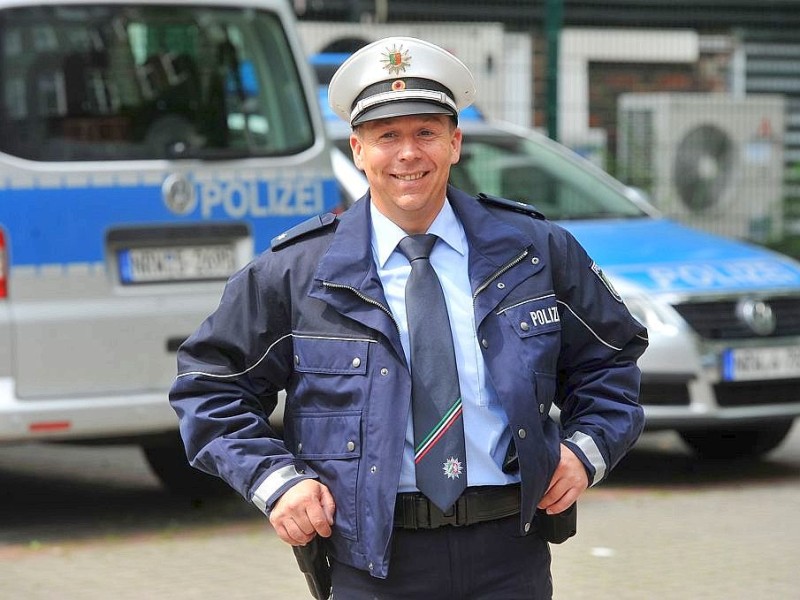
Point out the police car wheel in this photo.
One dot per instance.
(168, 461)
(737, 442)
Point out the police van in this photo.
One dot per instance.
(147, 150)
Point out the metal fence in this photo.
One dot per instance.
(696, 103)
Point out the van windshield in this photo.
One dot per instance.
(122, 82)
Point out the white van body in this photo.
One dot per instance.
(147, 150)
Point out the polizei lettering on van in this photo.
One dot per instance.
(240, 198)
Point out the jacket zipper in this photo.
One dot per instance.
(366, 299)
(499, 272)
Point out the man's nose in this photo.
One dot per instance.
(408, 148)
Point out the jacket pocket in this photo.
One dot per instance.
(330, 355)
(533, 316)
(331, 443)
(330, 373)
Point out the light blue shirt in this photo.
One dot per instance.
(485, 422)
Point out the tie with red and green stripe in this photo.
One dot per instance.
(439, 448)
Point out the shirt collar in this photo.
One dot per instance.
(386, 234)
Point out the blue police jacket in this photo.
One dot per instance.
(309, 317)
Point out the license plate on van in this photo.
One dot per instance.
(743, 364)
(176, 263)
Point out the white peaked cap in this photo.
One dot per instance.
(400, 76)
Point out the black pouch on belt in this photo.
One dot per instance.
(557, 528)
(313, 562)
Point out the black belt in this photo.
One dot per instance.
(475, 505)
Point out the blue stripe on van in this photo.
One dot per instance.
(69, 225)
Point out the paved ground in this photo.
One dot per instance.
(663, 527)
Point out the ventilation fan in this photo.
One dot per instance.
(708, 160)
(703, 167)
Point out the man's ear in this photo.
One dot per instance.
(356, 148)
(455, 156)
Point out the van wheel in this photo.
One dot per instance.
(737, 442)
(168, 461)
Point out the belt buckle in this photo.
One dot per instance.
(455, 516)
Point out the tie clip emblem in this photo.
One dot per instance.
(453, 468)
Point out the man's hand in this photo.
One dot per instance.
(306, 509)
(569, 481)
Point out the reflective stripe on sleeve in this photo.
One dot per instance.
(272, 484)
(592, 453)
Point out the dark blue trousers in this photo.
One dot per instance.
(486, 561)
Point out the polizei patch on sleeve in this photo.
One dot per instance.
(602, 276)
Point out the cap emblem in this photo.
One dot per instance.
(398, 86)
(396, 60)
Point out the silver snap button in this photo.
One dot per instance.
(356, 362)
(351, 446)
(501, 285)
(485, 343)
(373, 469)
(541, 409)
(527, 527)
(522, 433)
(384, 371)
(524, 326)
(370, 566)
(535, 260)
(296, 359)
(300, 447)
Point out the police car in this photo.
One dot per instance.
(723, 316)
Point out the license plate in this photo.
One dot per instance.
(176, 263)
(750, 364)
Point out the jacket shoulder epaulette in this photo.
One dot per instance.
(519, 207)
(302, 229)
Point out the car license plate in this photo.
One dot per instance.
(749, 364)
(176, 263)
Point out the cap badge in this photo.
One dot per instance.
(396, 60)
(398, 85)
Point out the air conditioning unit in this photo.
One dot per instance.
(709, 160)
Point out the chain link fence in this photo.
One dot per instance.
(695, 103)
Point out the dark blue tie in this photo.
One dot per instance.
(439, 450)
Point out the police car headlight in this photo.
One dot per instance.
(654, 315)
(651, 311)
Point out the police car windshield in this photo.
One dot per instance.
(120, 82)
(540, 173)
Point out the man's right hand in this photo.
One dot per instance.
(306, 509)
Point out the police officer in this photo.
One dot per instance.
(323, 316)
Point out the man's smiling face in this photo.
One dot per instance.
(407, 163)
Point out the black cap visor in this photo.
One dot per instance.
(402, 108)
